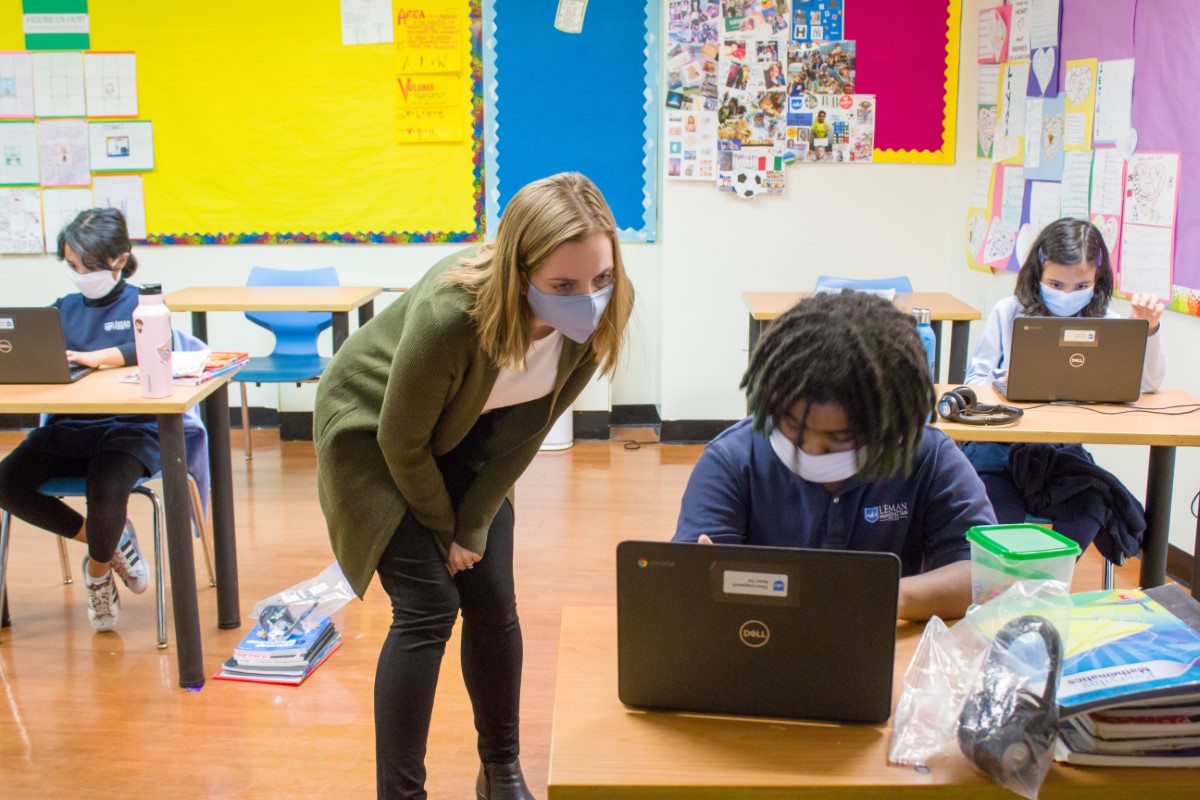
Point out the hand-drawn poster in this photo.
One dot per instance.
(1043, 73)
(429, 108)
(1152, 189)
(993, 34)
(1079, 86)
(430, 36)
(18, 154)
(63, 152)
(21, 221)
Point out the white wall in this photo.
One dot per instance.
(688, 342)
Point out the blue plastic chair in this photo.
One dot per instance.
(195, 440)
(295, 358)
(897, 284)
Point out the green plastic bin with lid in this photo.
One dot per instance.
(1001, 555)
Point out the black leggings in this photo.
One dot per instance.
(425, 604)
(109, 477)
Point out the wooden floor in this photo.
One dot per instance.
(102, 714)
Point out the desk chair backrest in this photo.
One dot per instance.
(295, 331)
(897, 284)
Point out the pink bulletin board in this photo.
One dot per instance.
(907, 55)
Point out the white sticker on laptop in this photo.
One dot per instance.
(1079, 336)
(759, 584)
(7, 324)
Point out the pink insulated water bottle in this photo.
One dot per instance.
(152, 337)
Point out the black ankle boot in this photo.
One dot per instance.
(501, 782)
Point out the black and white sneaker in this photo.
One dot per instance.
(129, 563)
(104, 607)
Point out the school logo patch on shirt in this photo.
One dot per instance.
(888, 512)
(118, 325)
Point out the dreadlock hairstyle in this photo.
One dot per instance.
(855, 350)
(1069, 242)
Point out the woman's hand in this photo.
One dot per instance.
(1147, 307)
(460, 558)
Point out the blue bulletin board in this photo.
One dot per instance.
(584, 102)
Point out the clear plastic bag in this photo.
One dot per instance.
(303, 606)
(952, 667)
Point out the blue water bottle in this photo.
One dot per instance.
(924, 317)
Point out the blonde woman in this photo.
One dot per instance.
(426, 418)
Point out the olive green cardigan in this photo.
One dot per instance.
(408, 386)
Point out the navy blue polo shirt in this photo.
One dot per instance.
(741, 493)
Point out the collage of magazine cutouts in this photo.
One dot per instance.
(756, 85)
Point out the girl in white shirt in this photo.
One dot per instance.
(1066, 274)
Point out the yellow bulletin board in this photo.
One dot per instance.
(267, 129)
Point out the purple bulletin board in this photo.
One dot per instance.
(1163, 38)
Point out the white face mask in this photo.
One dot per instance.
(828, 468)
(93, 285)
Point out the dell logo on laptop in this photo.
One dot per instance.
(754, 633)
(5, 346)
(1076, 360)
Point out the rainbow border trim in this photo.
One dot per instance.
(393, 237)
(944, 155)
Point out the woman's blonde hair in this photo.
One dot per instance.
(544, 214)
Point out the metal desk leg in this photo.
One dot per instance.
(756, 329)
(937, 350)
(365, 312)
(1158, 515)
(960, 330)
(179, 545)
(224, 536)
(341, 329)
(1196, 563)
(200, 325)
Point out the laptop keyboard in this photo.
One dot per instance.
(1001, 387)
(79, 370)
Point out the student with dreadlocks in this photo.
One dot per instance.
(836, 454)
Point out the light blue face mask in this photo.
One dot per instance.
(1066, 304)
(576, 315)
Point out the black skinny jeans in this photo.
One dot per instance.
(425, 604)
(109, 477)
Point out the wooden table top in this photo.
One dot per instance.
(1088, 424)
(271, 298)
(942, 305)
(101, 392)
(600, 749)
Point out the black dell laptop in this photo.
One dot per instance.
(1079, 359)
(757, 631)
(32, 348)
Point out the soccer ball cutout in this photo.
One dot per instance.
(747, 183)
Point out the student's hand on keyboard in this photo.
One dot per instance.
(90, 358)
(1147, 307)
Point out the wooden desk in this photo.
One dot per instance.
(1083, 425)
(341, 300)
(767, 306)
(600, 749)
(102, 393)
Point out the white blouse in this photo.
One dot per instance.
(536, 380)
(990, 359)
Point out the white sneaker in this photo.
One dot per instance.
(104, 607)
(129, 563)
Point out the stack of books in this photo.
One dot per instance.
(290, 660)
(199, 366)
(1130, 690)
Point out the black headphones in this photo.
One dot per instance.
(962, 405)
(1004, 729)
